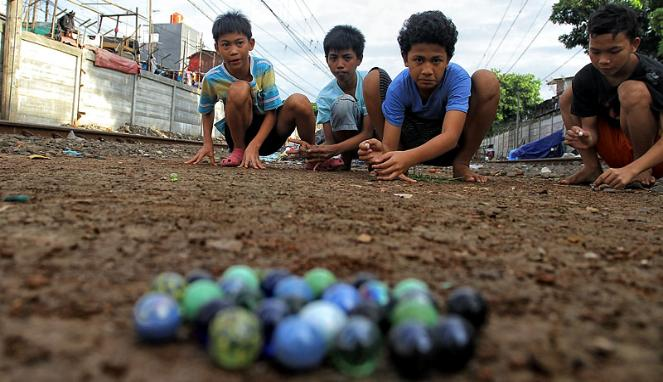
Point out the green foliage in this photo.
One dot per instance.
(577, 12)
(656, 22)
(518, 94)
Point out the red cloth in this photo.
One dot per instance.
(615, 148)
(106, 59)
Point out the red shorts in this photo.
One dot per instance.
(615, 148)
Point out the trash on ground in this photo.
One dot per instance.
(37, 156)
(17, 198)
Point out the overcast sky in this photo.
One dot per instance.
(477, 22)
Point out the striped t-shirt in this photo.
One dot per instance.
(264, 92)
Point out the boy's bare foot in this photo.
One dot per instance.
(586, 175)
(464, 172)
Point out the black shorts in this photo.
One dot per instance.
(272, 143)
(416, 131)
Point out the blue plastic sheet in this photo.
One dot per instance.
(551, 146)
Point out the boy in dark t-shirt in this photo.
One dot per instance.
(614, 106)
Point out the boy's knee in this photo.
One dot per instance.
(239, 91)
(634, 94)
(486, 83)
(298, 102)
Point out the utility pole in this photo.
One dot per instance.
(149, 35)
(11, 48)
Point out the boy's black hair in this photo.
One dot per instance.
(431, 27)
(231, 22)
(614, 19)
(344, 37)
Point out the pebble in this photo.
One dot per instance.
(602, 347)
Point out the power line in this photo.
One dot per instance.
(281, 74)
(563, 64)
(522, 39)
(315, 59)
(528, 45)
(507, 32)
(314, 18)
(494, 34)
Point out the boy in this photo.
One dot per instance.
(256, 121)
(341, 106)
(434, 112)
(615, 103)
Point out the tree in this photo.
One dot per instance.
(519, 93)
(577, 12)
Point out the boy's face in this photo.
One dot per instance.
(610, 54)
(343, 64)
(427, 64)
(234, 48)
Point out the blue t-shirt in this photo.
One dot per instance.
(332, 91)
(264, 92)
(453, 93)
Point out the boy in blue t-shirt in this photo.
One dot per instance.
(257, 122)
(434, 112)
(341, 107)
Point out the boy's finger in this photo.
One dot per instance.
(406, 178)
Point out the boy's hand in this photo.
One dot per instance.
(206, 151)
(370, 150)
(580, 138)
(319, 152)
(393, 165)
(616, 177)
(252, 157)
(315, 153)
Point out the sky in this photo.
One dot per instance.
(492, 33)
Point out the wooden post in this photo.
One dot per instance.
(172, 109)
(55, 12)
(149, 36)
(11, 54)
(46, 11)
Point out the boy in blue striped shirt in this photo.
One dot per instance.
(257, 122)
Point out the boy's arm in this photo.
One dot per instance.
(208, 146)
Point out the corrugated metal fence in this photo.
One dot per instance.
(527, 131)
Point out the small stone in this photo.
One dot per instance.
(602, 347)
(591, 256)
(546, 278)
(404, 196)
(592, 210)
(645, 263)
(36, 281)
(225, 245)
(364, 238)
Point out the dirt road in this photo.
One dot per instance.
(574, 278)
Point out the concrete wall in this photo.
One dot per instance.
(59, 84)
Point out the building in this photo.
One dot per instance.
(209, 58)
(561, 84)
(176, 42)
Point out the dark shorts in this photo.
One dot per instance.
(416, 131)
(272, 143)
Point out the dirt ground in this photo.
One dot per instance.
(574, 278)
